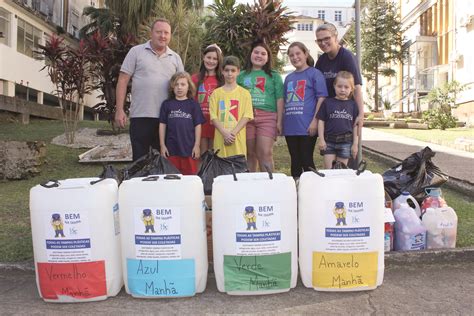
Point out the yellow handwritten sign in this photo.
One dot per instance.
(345, 270)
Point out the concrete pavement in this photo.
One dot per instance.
(424, 282)
(457, 164)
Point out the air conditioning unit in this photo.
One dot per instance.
(466, 20)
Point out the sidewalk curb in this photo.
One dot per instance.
(433, 256)
(392, 259)
(456, 184)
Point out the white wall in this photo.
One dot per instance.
(463, 56)
(16, 67)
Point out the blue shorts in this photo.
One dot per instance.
(341, 150)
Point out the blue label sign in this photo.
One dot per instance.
(348, 232)
(258, 237)
(68, 243)
(161, 278)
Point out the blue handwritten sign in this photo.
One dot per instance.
(161, 278)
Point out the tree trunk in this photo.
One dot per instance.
(376, 95)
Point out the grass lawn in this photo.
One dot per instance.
(62, 163)
(436, 136)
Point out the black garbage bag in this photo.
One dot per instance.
(110, 172)
(151, 163)
(213, 166)
(414, 174)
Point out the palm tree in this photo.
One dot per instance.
(131, 13)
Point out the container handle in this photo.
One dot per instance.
(172, 177)
(55, 184)
(361, 168)
(317, 172)
(269, 170)
(97, 181)
(233, 171)
(151, 178)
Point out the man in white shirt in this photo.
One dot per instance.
(150, 66)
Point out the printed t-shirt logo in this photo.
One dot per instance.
(230, 114)
(204, 91)
(260, 84)
(296, 94)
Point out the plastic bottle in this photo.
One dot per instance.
(404, 198)
(441, 225)
(389, 231)
(433, 199)
(410, 234)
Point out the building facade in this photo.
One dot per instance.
(25, 24)
(308, 18)
(438, 35)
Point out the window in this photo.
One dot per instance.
(304, 27)
(338, 16)
(4, 26)
(321, 14)
(28, 38)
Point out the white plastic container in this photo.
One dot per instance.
(441, 227)
(76, 242)
(404, 198)
(164, 246)
(341, 230)
(254, 230)
(410, 234)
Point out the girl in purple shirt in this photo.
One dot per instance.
(304, 91)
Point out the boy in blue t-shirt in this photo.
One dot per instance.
(180, 125)
(338, 135)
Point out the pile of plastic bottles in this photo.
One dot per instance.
(431, 226)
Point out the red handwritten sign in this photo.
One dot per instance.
(82, 280)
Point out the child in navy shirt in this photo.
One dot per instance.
(338, 137)
(180, 125)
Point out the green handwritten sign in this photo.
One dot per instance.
(257, 273)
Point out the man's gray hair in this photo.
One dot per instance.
(327, 27)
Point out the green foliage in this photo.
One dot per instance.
(387, 105)
(439, 118)
(445, 96)
(186, 26)
(442, 99)
(69, 70)
(107, 54)
(381, 41)
(131, 13)
(371, 117)
(234, 27)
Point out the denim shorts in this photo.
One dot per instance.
(341, 150)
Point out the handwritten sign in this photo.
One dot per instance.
(82, 280)
(345, 270)
(161, 278)
(257, 273)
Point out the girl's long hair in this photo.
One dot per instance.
(268, 66)
(203, 71)
(309, 59)
(191, 89)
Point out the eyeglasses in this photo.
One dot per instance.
(325, 40)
